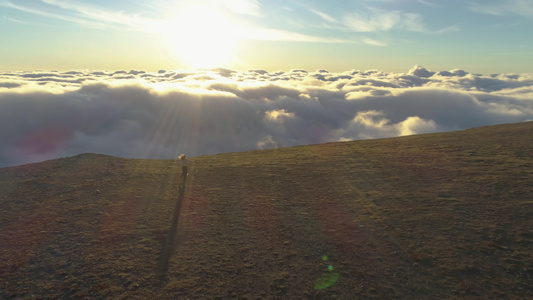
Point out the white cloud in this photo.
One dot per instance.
(83, 15)
(416, 125)
(380, 20)
(159, 115)
(277, 116)
(504, 7)
(452, 28)
(374, 42)
(371, 118)
(323, 15)
(421, 72)
(269, 34)
(430, 3)
(245, 7)
(374, 124)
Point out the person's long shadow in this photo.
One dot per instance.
(170, 243)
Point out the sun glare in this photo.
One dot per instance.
(202, 37)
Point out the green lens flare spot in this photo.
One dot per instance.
(326, 280)
(330, 268)
(325, 257)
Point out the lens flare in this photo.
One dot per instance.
(328, 278)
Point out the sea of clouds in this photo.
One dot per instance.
(137, 114)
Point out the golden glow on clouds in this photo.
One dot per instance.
(277, 116)
(214, 111)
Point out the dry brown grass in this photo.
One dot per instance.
(436, 216)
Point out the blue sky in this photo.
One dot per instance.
(482, 36)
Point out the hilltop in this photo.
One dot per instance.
(433, 216)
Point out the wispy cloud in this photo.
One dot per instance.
(380, 20)
(333, 28)
(452, 28)
(84, 15)
(323, 15)
(374, 42)
(267, 34)
(102, 16)
(430, 3)
(38, 11)
(245, 7)
(15, 20)
(96, 17)
(504, 7)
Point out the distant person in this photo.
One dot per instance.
(184, 160)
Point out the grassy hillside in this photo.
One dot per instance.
(435, 216)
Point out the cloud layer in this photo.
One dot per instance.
(137, 114)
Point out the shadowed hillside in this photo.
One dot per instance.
(435, 216)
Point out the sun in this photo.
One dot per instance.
(202, 37)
